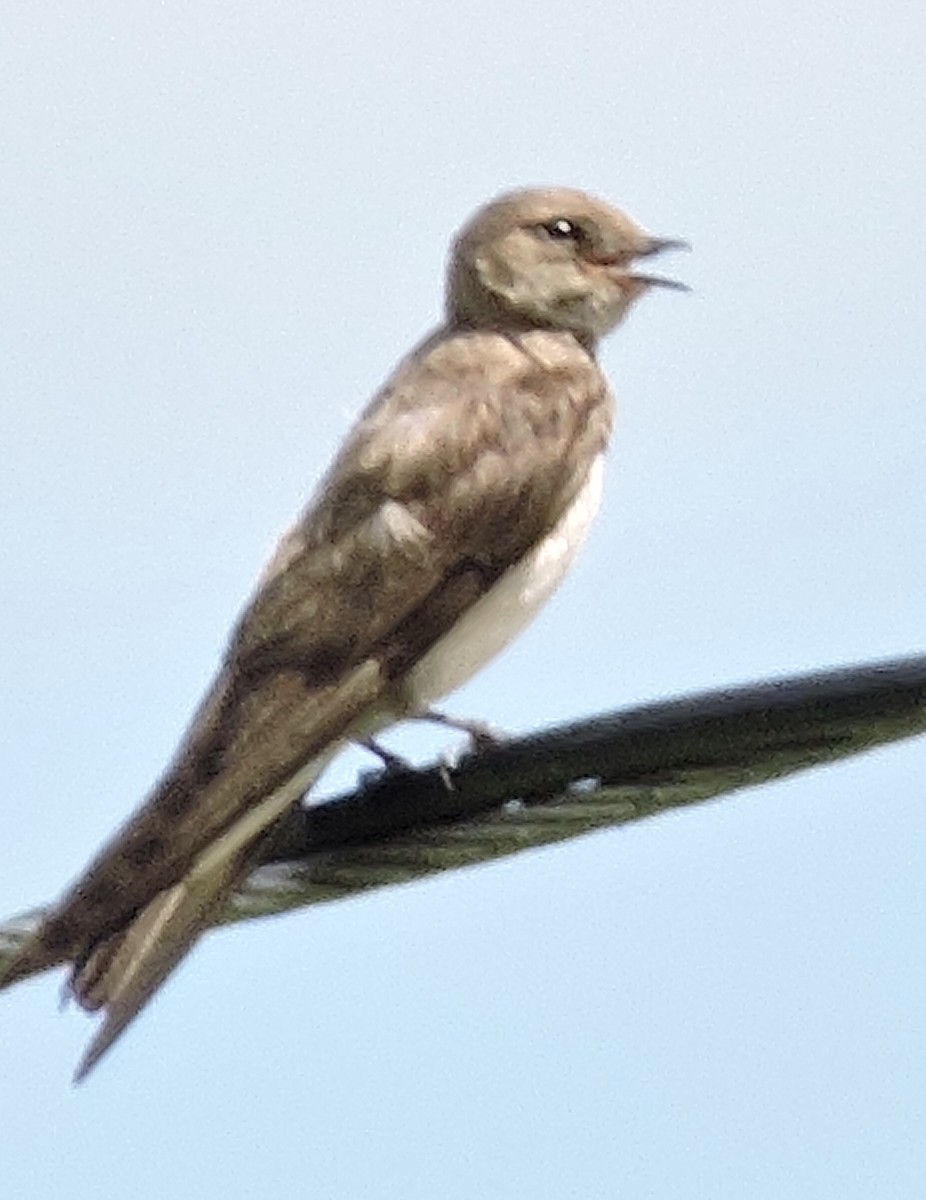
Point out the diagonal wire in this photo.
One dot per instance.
(571, 780)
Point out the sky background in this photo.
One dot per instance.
(222, 224)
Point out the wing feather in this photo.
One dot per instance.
(465, 460)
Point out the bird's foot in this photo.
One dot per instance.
(481, 736)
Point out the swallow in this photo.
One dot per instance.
(451, 513)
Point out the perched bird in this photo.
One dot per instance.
(452, 511)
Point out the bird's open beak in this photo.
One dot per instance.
(657, 245)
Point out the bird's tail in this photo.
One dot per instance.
(122, 974)
(120, 952)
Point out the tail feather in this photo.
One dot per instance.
(125, 976)
(124, 928)
(122, 975)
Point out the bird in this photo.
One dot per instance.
(452, 511)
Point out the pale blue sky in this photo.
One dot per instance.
(221, 227)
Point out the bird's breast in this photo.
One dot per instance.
(501, 614)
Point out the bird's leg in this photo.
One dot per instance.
(481, 735)
(390, 761)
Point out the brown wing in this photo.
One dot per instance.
(459, 466)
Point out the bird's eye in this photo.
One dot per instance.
(562, 229)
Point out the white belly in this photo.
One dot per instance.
(506, 609)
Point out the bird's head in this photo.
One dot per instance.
(551, 258)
